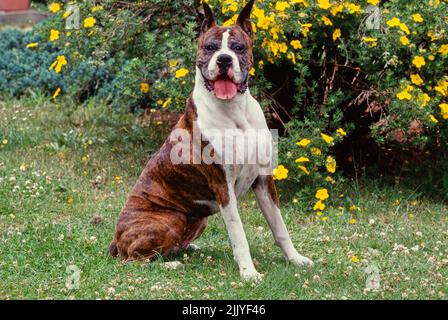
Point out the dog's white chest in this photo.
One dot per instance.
(239, 135)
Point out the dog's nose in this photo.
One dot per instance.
(224, 61)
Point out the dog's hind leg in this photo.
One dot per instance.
(144, 235)
(195, 227)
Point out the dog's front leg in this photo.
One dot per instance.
(266, 194)
(238, 239)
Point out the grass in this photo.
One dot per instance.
(62, 167)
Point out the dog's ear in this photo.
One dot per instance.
(209, 19)
(244, 18)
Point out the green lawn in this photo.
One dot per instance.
(64, 176)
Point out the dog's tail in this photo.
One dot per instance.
(113, 250)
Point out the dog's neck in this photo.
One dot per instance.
(216, 113)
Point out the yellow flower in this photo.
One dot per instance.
(353, 8)
(182, 73)
(433, 36)
(56, 93)
(395, 22)
(319, 206)
(280, 173)
(404, 95)
(417, 17)
(32, 45)
(97, 8)
(231, 21)
(55, 7)
(89, 22)
(252, 72)
(443, 49)
(304, 2)
(404, 40)
(305, 28)
(330, 164)
(316, 151)
(354, 259)
(434, 3)
(144, 87)
(229, 6)
(369, 39)
(322, 194)
(173, 63)
(281, 6)
(66, 14)
(302, 159)
(324, 4)
(354, 208)
(167, 102)
(274, 46)
(418, 61)
(372, 42)
(54, 35)
(304, 169)
(416, 79)
(330, 179)
(337, 9)
(336, 34)
(433, 119)
(341, 132)
(352, 221)
(283, 47)
(291, 56)
(403, 27)
(117, 180)
(296, 44)
(327, 138)
(444, 110)
(442, 87)
(373, 2)
(303, 142)
(327, 21)
(424, 99)
(58, 64)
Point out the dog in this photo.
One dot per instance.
(169, 205)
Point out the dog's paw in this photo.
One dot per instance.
(251, 275)
(193, 247)
(301, 261)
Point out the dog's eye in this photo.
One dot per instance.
(210, 47)
(239, 47)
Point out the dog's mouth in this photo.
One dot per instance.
(224, 86)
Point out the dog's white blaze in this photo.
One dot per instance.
(225, 49)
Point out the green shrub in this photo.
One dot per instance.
(24, 69)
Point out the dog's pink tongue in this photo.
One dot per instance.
(225, 89)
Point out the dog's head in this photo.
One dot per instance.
(225, 54)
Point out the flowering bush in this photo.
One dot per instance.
(324, 69)
(20, 67)
(121, 57)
